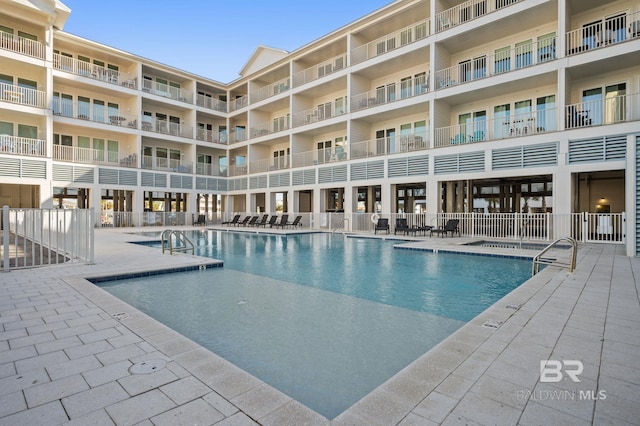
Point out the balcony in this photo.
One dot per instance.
(318, 156)
(166, 127)
(98, 114)
(237, 170)
(500, 62)
(519, 125)
(211, 136)
(166, 91)
(22, 95)
(74, 154)
(323, 112)
(383, 95)
(390, 145)
(272, 90)
(22, 45)
(269, 164)
(166, 164)
(22, 146)
(95, 72)
(238, 103)
(467, 11)
(320, 70)
(211, 103)
(237, 135)
(390, 42)
(612, 110)
(604, 33)
(209, 170)
(276, 125)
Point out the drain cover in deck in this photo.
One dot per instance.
(146, 367)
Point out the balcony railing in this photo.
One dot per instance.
(389, 42)
(269, 164)
(319, 156)
(211, 136)
(166, 91)
(22, 45)
(272, 90)
(209, 170)
(237, 135)
(389, 145)
(238, 103)
(166, 127)
(276, 125)
(166, 164)
(22, 146)
(610, 110)
(323, 112)
(97, 114)
(407, 89)
(519, 125)
(467, 11)
(96, 72)
(76, 154)
(237, 170)
(604, 33)
(534, 53)
(320, 70)
(22, 95)
(211, 103)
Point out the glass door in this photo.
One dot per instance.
(615, 103)
(501, 121)
(591, 111)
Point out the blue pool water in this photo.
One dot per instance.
(323, 318)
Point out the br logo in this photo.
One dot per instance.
(551, 370)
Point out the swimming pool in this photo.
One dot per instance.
(323, 318)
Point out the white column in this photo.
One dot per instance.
(630, 194)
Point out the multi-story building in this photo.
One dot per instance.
(484, 106)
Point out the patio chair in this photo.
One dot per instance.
(284, 221)
(233, 221)
(450, 226)
(263, 221)
(272, 221)
(381, 225)
(296, 222)
(252, 221)
(201, 221)
(401, 226)
(244, 221)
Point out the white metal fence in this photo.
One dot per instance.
(39, 237)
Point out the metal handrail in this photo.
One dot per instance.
(185, 243)
(538, 260)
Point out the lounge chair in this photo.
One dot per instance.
(381, 225)
(401, 226)
(252, 221)
(244, 221)
(450, 226)
(272, 221)
(233, 221)
(296, 222)
(284, 221)
(202, 220)
(263, 221)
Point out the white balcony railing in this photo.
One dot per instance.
(93, 71)
(238, 103)
(22, 146)
(22, 95)
(391, 41)
(609, 110)
(22, 45)
(323, 112)
(211, 103)
(165, 127)
(237, 170)
(211, 136)
(76, 154)
(269, 164)
(603, 33)
(271, 90)
(320, 70)
(166, 91)
(389, 145)
(166, 164)
(238, 135)
(209, 170)
(391, 92)
(519, 125)
(319, 156)
(467, 11)
(534, 53)
(276, 125)
(92, 112)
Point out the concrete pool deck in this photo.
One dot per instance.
(67, 348)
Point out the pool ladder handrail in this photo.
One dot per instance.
(184, 245)
(539, 260)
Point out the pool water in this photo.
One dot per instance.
(323, 318)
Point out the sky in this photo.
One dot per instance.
(210, 38)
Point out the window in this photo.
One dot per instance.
(84, 107)
(421, 31)
(98, 146)
(339, 106)
(405, 37)
(6, 128)
(591, 34)
(324, 151)
(546, 113)
(615, 103)
(174, 156)
(503, 60)
(27, 84)
(6, 30)
(591, 107)
(98, 111)
(464, 70)
(391, 92)
(112, 150)
(420, 83)
(84, 142)
(501, 120)
(523, 54)
(405, 87)
(547, 47)
(479, 67)
(615, 29)
(479, 126)
(162, 157)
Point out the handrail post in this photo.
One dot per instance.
(5, 237)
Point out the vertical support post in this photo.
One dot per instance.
(5, 237)
(91, 235)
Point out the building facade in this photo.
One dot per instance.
(483, 107)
